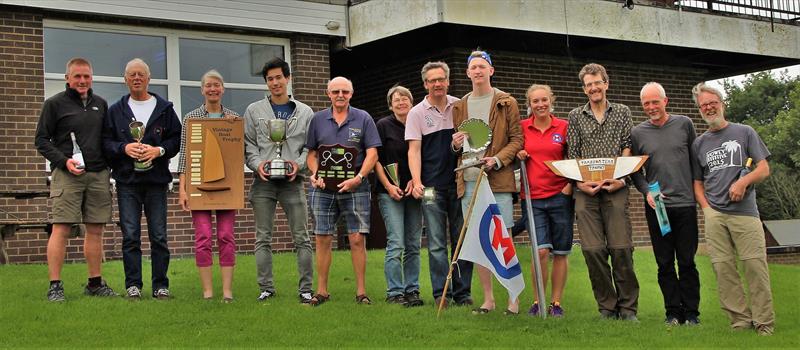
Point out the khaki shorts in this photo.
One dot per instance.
(82, 198)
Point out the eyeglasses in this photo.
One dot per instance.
(709, 104)
(343, 92)
(594, 83)
(437, 80)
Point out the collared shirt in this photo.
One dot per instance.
(550, 144)
(588, 138)
(394, 149)
(435, 129)
(197, 113)
(357, 131)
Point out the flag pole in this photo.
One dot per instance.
(457, 250)
(537, 265)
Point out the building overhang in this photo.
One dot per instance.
(295, 16)
(724, 44)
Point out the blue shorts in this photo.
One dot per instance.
(328, 206)
(554, 217)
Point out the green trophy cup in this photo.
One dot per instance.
(137, 132)
(391, 172)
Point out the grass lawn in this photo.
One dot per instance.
(28, 320)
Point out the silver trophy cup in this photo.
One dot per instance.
(277, 168)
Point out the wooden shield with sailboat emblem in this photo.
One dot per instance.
(214, 171)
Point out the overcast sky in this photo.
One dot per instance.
(793, 72)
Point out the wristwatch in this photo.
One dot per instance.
(161, 151)
(360, 177)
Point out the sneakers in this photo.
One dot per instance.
(692, 321)
(629, 317)
(465, 302)
(101, 291)
(412, 299)
(608, 315)
(672, 321)
(438, 300)
(265, 294)
(161, 294)
(396, 299)
(764, 330)
(534, 310)
(555, 310)
(133, 292)
(56, 292)
(305, 298)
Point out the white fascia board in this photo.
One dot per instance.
(279, 15)
(609, 20)
(378, 19)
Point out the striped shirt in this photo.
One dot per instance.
(198, 113)
(588, 138)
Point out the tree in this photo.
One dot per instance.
(760, 98)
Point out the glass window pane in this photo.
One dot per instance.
(111, 92)
(237, 62)
(108, 52)
(235, 99)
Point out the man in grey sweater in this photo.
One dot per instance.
(265, 193)
(667, 139)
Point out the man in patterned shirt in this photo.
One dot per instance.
(601, 129)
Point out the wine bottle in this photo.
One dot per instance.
(661, 209)
(77, 155)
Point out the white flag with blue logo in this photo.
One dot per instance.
(488, 243)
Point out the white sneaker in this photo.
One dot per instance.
(134, 292)
(161, 294)
(265, 295)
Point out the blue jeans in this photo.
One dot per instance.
(131, 199)
(443, 216)
(554, 217)
(403, 221)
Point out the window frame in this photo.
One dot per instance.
(173, 82)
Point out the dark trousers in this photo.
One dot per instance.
(443, 219)
(131, 200)
(681, 290)
(605, 232)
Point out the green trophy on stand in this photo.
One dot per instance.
(137, 132)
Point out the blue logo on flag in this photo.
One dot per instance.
(492, 240)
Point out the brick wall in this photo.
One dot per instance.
(514, 73)
(21, 96)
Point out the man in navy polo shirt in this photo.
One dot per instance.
(352, 127)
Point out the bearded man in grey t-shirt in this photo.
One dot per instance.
(723, 186)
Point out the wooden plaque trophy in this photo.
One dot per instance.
(337, 163)
(215, 163)
(596, 169)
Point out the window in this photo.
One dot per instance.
(177, 60)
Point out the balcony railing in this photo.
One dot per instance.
(781, 11)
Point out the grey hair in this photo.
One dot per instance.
(701, 88)
(661, 92)
(433, 65)
(212, 74)
(138, 61)
(75, 61)
(399, 90)
(349, 82)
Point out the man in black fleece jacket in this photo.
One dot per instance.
(79, 189)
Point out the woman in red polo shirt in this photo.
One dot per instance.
(551, 195)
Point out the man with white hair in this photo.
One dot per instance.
(667, 139)
(142, 186)
(351, 127)
(724, 188)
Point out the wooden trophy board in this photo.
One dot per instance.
(336, 163)
(596, 169)
(215, 163)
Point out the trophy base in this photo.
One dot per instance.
(278, 169)
(142, 166)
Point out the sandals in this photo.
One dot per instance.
(510, 313)
(363, 299)
(480, 311)
(319, 299)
